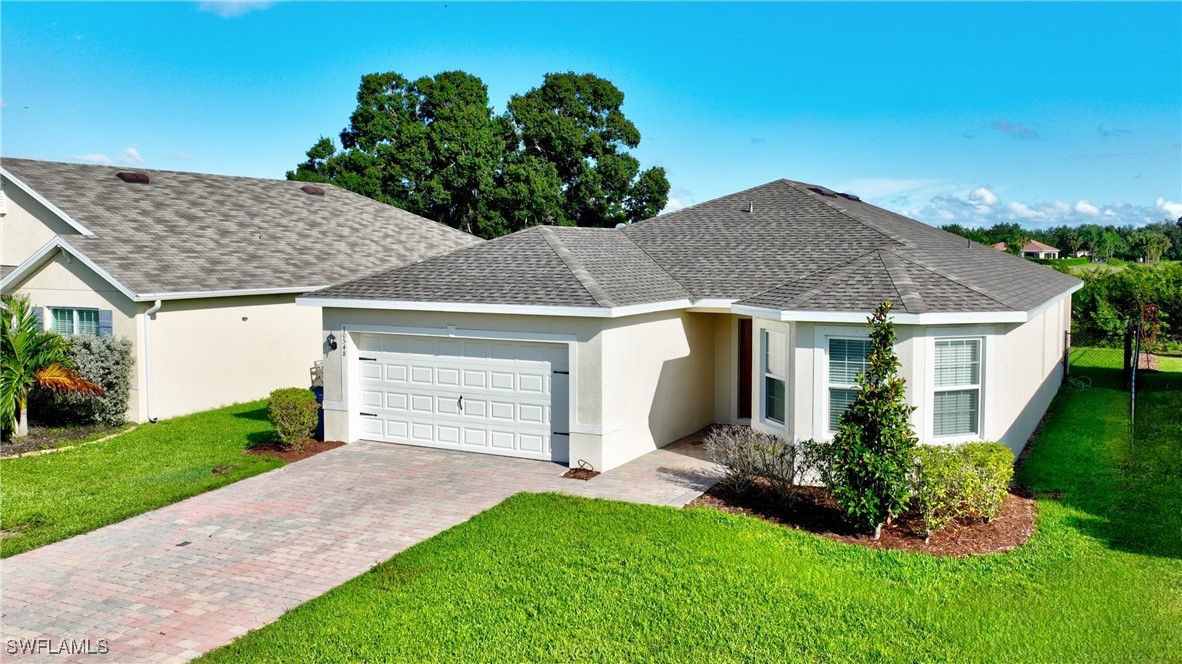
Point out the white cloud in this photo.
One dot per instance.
(93, 158)
(678, 198)
(232, 9)
(1169, 207)
(131, 155)
(981, 207)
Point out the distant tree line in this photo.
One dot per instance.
(1149, 243)
(434, 146)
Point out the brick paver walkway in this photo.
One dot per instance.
(171, 584)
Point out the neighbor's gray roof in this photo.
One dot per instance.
(192, 232)
(795, 249)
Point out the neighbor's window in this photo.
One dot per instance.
(847, 361)
(69, 322)
(957, 403)
(774, 372)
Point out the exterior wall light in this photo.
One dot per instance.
(331, 341)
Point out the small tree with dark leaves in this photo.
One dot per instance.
(872, 453)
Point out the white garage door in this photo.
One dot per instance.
(496, 397)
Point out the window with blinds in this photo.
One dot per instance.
(847, 361)
(71, 322)
(775, 370)
(957, 400)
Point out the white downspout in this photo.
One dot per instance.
(148, 356)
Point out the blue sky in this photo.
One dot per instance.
(1036, 113)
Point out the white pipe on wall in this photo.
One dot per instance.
(148, 356)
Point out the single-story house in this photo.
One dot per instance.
(199, 271)
(597, 345)
(1032, 249)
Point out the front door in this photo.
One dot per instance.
(744, 368)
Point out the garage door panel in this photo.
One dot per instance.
(510, 394)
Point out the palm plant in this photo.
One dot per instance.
(31, 356)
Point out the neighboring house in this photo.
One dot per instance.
(1034, 249)
(199, 271)
(598, 345)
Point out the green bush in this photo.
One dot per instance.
(954, 481)
(105, 361)
(293, 412)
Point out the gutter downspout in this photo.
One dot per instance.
(148, 355)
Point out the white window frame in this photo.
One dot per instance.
(765, 340)
(825, 394)
(982, 377)
(48, 322)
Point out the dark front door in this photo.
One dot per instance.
(744, 367)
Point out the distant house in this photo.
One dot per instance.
(199, 271)
(1032, 249)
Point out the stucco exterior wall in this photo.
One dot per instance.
(212, 352)
(27, 226)
(65, 282)
(658, 381)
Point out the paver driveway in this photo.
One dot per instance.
(170, 584)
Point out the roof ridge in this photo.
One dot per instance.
(905, 288)
(833, 204)
(831, 275)
(658, 264)
(576, 267)
(953, 278)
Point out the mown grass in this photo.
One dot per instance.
(50, 497)
(547, 577)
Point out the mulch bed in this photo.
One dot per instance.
(310, 448)
(580, 473)
(49, 438)
(815, 511)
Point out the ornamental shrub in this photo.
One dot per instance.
(872, 456)
(105, 361)
(293, 413)
(747, 455)
(960, 481)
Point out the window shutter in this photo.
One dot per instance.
(105, 326)
(39, 316)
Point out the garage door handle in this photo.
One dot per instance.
(369, 414)
(461, 402)
(368, 359)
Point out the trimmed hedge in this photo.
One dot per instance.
(969, 480)
(293, 412)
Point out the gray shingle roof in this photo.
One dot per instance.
(780, 245)
(192, 232)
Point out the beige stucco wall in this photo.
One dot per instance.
(27, 226)
(212, 352)
(66, 282)
(658, 381)
(1022, 371)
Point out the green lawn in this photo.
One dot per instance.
(50, 497)
(547, 577)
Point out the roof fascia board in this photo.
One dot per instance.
(46, 252)
(489, 308)
(192, 295)
(61, 214)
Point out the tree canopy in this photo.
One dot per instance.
(433, 146)
(1149, 243)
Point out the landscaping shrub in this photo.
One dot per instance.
(953, 481)
(749, 455)
(293, 412)
(816, 460)
(872, 456)
(104, 361)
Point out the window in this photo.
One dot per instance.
(69, 322)
(847, 361)
(774, 371)
(957, 399)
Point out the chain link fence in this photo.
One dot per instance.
(1131, 356)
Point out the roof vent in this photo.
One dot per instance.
(135, 178)
(751, 207)
(823, 191)
(312, 190)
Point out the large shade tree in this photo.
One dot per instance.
(434, 146)
(31, 356)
